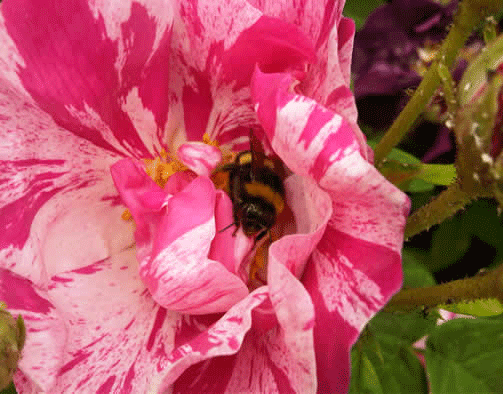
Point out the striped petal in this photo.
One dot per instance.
(99, 69)
(174, 235)
(355, 267)
(280, 359)
(215, 48)
(76, 325)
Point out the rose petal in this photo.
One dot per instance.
(214, 52)
(298, 127)
(295, 314)
(200, 157)
(356, 266)
(52, 179)
(102, 85)
(45, 327)
(312, 208)
(222, 338)
(174, 235)
(98, 309)
(52, 214)
(278, 360)
(181, 276)
(314, 18)
(225, 247)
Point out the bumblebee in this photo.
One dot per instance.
(256, 190)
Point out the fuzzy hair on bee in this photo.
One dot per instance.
(255, 187)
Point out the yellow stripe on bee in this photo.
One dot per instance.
(264, 191)
(246, 158)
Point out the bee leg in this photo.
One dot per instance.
(227, 227)
(259, 236)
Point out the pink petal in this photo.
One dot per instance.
(53, 183)
(345, 38)
(215, 49)
(304, 134)
(226, 248)
(328, 81)
(199, 157)
(45, 327)
(285, 352)
(133, 322)
(349, 280)
(270, 43)
(223, 338)
(78, 306)
(181, 276)
(295, 314)
(174, 235)
(108, 85)
(278, 359)
(356, 266)
(48, 207)
(312, 209)
(314, 18)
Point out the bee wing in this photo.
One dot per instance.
(257, 152)
(260, 159)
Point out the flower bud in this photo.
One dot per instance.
(479, 125)
(12, 337)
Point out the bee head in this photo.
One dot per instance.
(257, 216)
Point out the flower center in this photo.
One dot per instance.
(253, 183)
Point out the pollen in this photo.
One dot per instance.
(227, 155)
(159, 169)
(126, 215)
(258, 267)
(162, 167)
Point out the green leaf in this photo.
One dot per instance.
(359, 10)
(417, 186)
(401, 173)
(410, 174)
(466, 356)
(383, 359)
(415, 274)
(476, 73)
(402, 328)
(479, 308)
(450, 242)
(364, 377)
(378, 368)
(438, 174)
(482, 220)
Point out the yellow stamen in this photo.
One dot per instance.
(208, 141)
(126, 215)
(166, 164)
(160, 169)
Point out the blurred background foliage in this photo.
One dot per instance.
(470, 241)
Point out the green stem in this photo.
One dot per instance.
(466, 18)
(488, 285)
(446, 204)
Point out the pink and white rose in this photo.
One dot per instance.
(112, 308)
